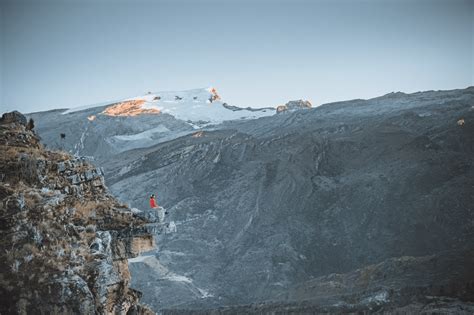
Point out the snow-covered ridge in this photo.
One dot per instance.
(198, 107)
(84, 107)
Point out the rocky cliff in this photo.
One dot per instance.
(65, 239)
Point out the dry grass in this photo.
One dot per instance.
(32, 198)
(13, 149)
(9, 153)
(87, 209)
(29, 248)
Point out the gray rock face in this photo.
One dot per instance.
(292, 106)
(236, 108)
(264, 207)
(65, 239)
(405, 285)
(13, 117)
(299, 104)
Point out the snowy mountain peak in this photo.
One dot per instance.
(197, 107)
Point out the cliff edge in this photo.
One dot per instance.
(65, 239)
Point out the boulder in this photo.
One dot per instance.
(299, 104)
(294, 105)
(281, 108)
(13, 117)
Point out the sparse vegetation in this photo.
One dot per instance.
(48, 226)
(85, 210)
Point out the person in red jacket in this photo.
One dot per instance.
(153, 203)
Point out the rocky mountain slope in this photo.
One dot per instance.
(65, 239)
(403, 285)
(269, 208)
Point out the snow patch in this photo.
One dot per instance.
(140, 258)
(379, 298)
(84, 107)
(204, 293)
(125, 170)
(135, 210)
(172, 253)
(178, 278)
(170, 228)
(198, 107)
(80, 146)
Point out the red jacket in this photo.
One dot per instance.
(153, 203)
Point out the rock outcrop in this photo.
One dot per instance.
(250, 109)
(291, 106)
(65, 239)
(13, 117)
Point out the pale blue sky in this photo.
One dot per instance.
(57, 54)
